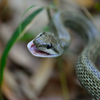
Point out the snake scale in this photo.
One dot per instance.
(47, 44)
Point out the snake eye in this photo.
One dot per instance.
(49, 46)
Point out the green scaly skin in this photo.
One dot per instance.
(87, 73)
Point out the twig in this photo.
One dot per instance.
(49, 14)
(56, 2)
(63, 79)
(88, 14)
(1, 96)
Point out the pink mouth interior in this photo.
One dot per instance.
(36, 51)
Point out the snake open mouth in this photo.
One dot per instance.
(36, 52)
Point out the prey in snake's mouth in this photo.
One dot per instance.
(45, 45)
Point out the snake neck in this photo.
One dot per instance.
(61, 31)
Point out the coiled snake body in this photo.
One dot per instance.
(47, 44)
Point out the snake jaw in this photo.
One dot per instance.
(38, 53)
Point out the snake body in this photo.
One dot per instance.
(87, 72)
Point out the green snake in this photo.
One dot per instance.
(47, 44)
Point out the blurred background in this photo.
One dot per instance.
(30, 78)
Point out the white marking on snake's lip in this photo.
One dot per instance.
(36, 52)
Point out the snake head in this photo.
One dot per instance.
(45, 45)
